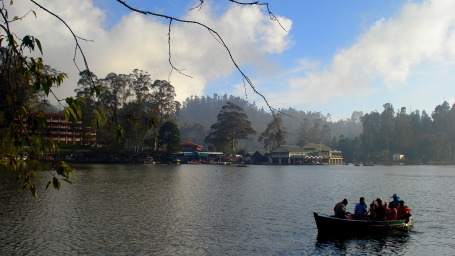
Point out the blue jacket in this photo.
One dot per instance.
(360, 209)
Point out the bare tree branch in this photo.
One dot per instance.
(170, 55)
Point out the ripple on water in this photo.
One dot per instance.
(194, 210)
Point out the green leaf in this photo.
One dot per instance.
(56, 183)
(38, 43)
(48, 184)
(67, 114)
(69, 101)
(98, 125)
(118, 132)
(67, 181)
(71, 113)
(81, 99)
(34, 191)
(15, 18)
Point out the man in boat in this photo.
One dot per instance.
(403, 211)
(340, 209)
(396, 200)
(360, 210)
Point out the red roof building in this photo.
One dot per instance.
(191, 147)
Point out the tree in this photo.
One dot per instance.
(326, 135)
(169, 138)
(441, 131)
(387, 126)
(304, 133)
(315, 131)
(195, 132)
(164, 103)
(273, 136)
(403, 135)
(370, 138)
(232, 125)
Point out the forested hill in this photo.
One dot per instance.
(198, 114)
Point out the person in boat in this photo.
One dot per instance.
(380, 210)
(396, 200)
(373, 207)
(391, 212)
(403, 211)
(360, 210)
(340, 209)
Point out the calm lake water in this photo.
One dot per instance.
(222, 210)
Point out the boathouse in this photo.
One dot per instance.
(284, 155)
(311, 153)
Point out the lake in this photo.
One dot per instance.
(222, 210)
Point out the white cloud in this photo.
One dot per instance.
(139, 41)
(385, 54)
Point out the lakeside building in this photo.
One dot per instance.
(191, 147)
(192, 153)
(311, 153)
(60, 130)
(257, 157)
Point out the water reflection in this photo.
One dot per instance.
(379, 244)
(220, 210)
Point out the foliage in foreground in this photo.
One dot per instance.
(24, 80)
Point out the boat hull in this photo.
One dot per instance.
(331, 224)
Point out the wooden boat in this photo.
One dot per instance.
(331, 224)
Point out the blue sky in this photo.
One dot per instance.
(334, 56)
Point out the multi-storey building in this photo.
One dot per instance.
(60, 130)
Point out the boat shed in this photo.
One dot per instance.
(311, 153)
(260, 157)
(325, 154)
(284, 155)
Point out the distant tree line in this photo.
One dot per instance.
(416, 135)
(147, 117)
(363, 137)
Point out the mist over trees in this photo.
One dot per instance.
(416, 135)
(298, 127)
(129, 99)
(231, 126)
(373, 136)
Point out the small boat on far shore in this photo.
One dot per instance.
(331, 224)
